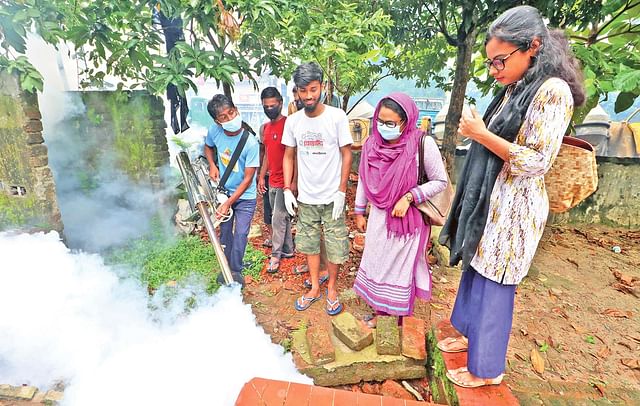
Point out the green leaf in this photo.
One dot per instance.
(624, 101)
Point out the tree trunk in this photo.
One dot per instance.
(345, 102)
(227, 90)
(462, 75)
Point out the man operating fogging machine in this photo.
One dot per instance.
(237, 154)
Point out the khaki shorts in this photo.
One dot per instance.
(312, 219)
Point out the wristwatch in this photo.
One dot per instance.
(409, 197)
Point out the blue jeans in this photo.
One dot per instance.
(233, 238)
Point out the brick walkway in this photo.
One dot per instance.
(494, 395)
(266, 392)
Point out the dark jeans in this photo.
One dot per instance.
(233, 238)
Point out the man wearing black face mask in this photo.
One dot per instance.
(271, 134)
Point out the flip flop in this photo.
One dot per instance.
(273, 265)
(306, 302)
(330, 310)
(445, 342)
(452, 376)
(267, 243)
(300, 269)
(323, 279)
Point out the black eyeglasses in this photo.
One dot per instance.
(388, 124)
(498, 62)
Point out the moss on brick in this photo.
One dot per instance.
(438, 373)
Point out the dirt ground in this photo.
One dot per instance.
(579, 308)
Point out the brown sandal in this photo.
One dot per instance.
(445, 344)
(454, 377)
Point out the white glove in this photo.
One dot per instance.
(338, 204)
(290, 202)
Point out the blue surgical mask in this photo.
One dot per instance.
(233, 125)
(387, 133)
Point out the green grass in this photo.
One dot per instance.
(188, 256)
(160, 262)
(256, 258)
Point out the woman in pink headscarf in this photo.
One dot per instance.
(394, 270)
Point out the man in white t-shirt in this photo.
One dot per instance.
(319, 138)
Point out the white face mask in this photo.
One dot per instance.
(387, 133)
(233, 125)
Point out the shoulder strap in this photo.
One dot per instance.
(422, 176)
(234, 158)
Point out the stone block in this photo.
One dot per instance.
(37, 150)
(38, 161)
(395, 390)
(32, 112)
(320, 346)
(34, 138)
(17, 392)
(351, 367)
(414, 343)
(347, 328)
(33, 126)
(387, 336)
(53, 397)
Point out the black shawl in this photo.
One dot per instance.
(464, 226)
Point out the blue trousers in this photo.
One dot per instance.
(233, 233)
(483, 312)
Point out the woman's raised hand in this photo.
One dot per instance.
(472, 125)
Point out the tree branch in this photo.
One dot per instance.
(442, 27)
(621, 33)
(368, 91)
(626, 7)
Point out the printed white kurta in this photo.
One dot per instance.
(519, 205)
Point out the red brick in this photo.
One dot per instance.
(248, 396)
(298, 394)
(344, 398)
(320, 346)
(495, 395)
(413, 338)
(369, 400)
(371, 388)
(275, 393)
(358, 242)
(395, 390)
(386, 401)
(320, 396)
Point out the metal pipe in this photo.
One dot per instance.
(199, 202)
(203, 208)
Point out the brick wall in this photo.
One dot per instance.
(27, 190)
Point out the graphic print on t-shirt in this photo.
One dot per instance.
(225, 157)
(312, 142)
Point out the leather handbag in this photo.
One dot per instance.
(436, 209)
(573, 176)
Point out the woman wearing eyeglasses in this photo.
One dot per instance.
(393, 270)
(501, 206)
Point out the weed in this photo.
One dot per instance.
(544, 347)
(286, 344)
(590, 339)
(255, 260)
